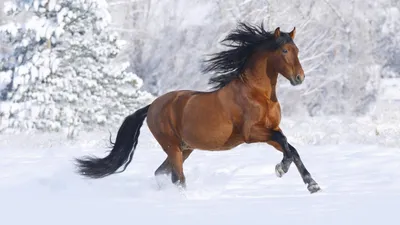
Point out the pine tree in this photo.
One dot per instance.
(63, 72)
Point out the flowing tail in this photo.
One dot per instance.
(122, 151)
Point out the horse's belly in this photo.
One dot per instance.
(206, 124)
(209, 134)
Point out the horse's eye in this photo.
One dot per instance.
(285, 51)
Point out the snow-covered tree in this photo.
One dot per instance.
(390, 40)
(337, 41)
(64, 72)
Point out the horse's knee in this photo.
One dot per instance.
(278, 141)
(279, 137)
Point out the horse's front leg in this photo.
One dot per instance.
(279, 141)
(253, 134)
(282, 167)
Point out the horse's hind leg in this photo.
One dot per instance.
(165, 167)
(174, 163)
(175, 159)
(174, 175)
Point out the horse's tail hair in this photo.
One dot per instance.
(122, 150)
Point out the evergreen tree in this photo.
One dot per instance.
(63, 72)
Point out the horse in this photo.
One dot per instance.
(241, 108)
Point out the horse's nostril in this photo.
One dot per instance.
(298, 78)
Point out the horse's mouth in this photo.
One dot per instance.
(295, 82)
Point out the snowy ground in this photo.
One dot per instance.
(360, 182)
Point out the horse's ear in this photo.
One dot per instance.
(293, 33)
(277, 33)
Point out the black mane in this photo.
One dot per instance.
(244, 40)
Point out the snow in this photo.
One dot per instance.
(360, 183)
(389, 89)
(354, 159)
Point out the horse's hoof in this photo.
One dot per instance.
(181, 185)
(313, 188)
(279, 170)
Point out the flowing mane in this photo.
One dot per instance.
(230, 64)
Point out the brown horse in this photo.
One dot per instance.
(243, 108)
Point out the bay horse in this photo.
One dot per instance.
(241, 108)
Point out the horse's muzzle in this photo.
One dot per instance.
(298, 79)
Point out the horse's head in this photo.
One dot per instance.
(285, 58)
(250, 45)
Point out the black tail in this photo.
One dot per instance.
(122, 151)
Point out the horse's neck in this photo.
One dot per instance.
(261, 78)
